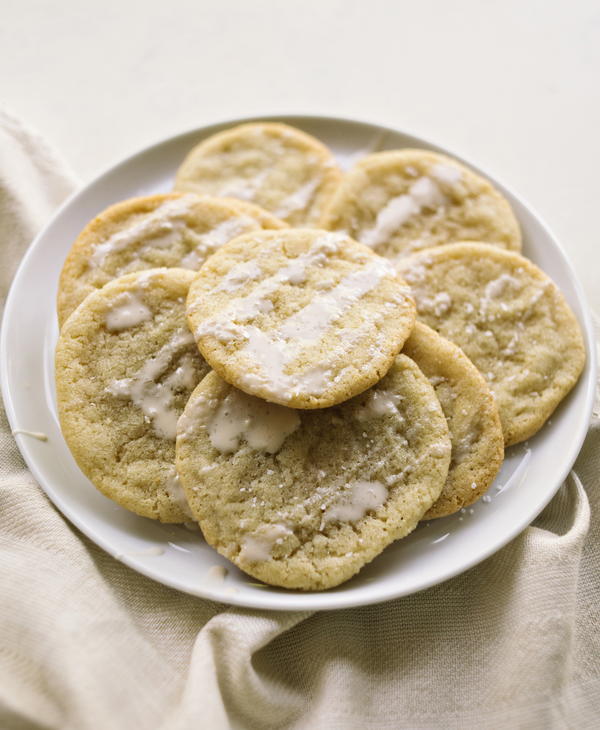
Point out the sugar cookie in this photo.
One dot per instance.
(304, 499)
(126, 364)
(300, 317)
(178, 230)
(510, 319)
(402, 201)
(471, 413)
(278, 167)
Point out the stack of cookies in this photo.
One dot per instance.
(307, 364)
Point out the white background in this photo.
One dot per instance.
(513, 85)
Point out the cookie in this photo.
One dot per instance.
(126, 364)
(178, 230)
(299, 317)
(402, 201)
(471, 413)
(510, 319)
(278, 167)
(304, 499)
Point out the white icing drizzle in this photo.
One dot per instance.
(127, 311)
(310, 323)
(354, 504)
(299, 200)
(497, 287)
(423, 193)
(264, 426)
(293, 272)
(389, 219)
(379, 403)
(272, 356)
(155, 399)
(244, 189)
(207, 243)
(39, 435)
(448, 174)
(226, 230)
(257, 547)
(175, 492)
(216, 574)
(164, 225)
(427, 194)
(196, 413)
(240, 275)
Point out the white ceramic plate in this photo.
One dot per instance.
(436, 551)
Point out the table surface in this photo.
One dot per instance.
(512, 86)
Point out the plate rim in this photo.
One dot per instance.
(296, 601)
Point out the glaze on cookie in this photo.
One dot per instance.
(510, 319)
(174, 230)
(402, 201)
(278, 167)
(300, 317)
(304, 499)
(126, 364)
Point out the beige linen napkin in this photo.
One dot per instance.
(87, 644)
